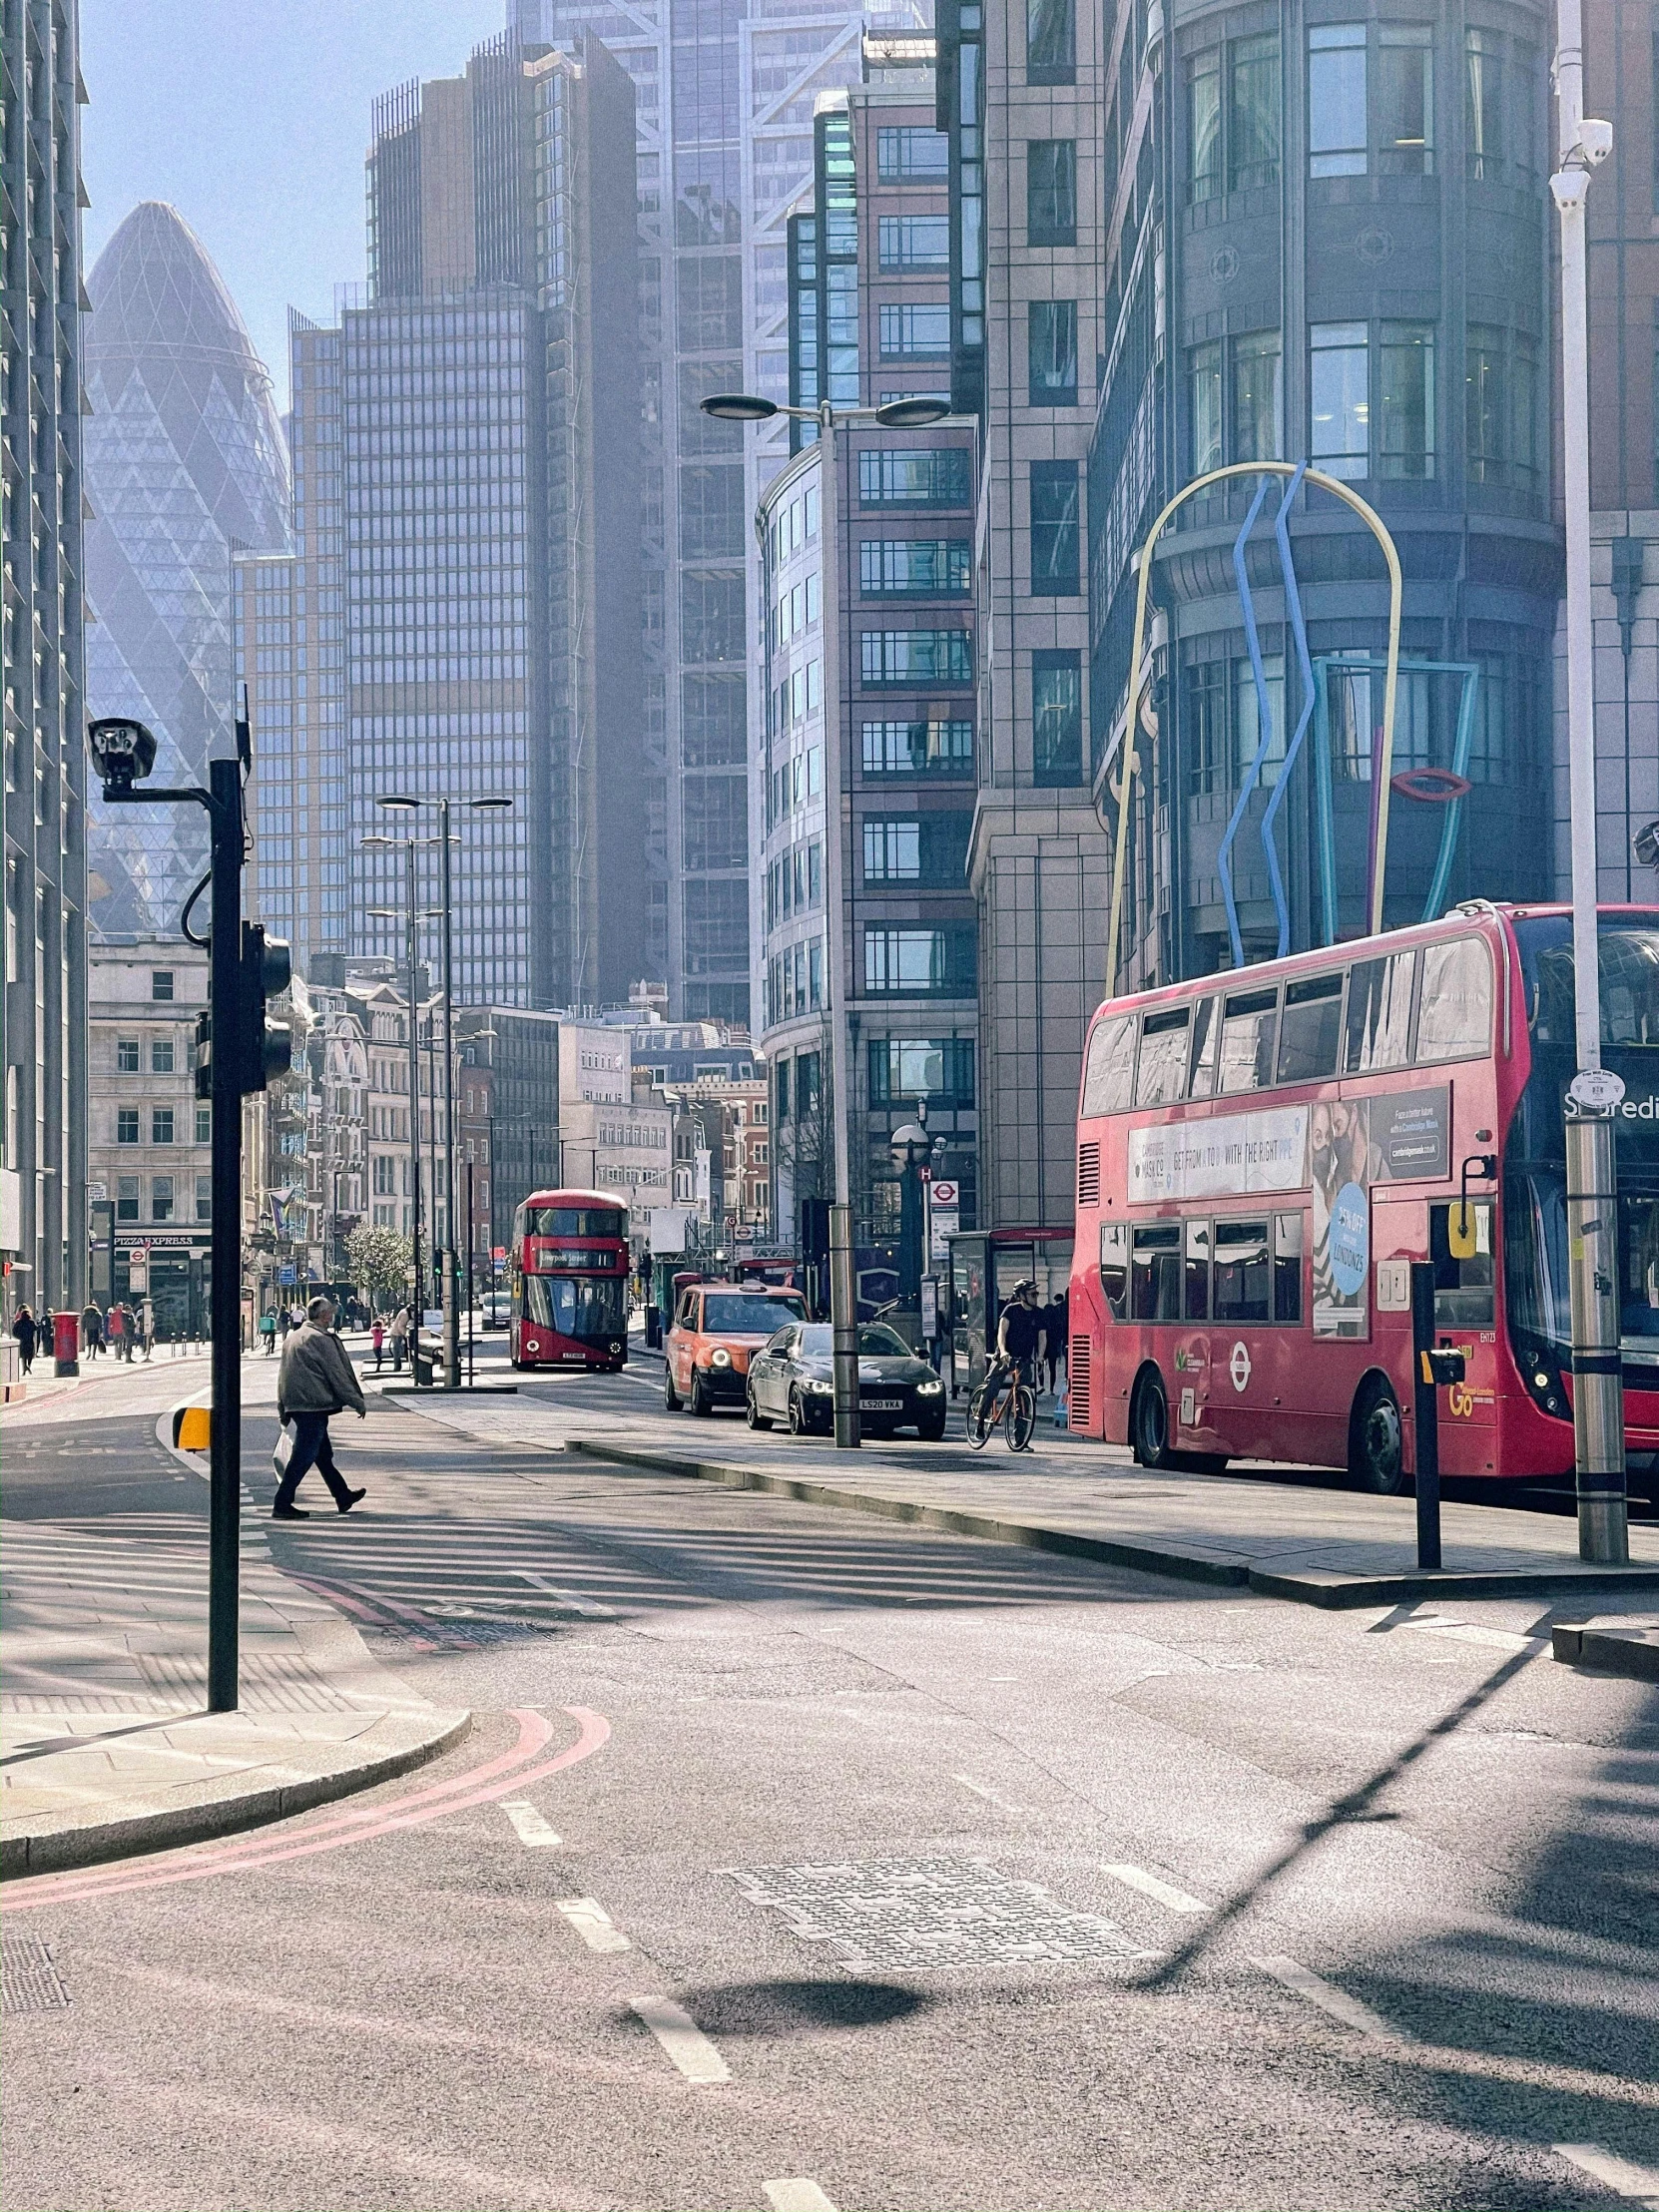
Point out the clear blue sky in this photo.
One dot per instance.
(251, 117)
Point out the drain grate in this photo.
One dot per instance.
(920, 1912)
(29, 1982)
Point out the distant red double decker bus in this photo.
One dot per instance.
(1261, 1156)
(569, 1282)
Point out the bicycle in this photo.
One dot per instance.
(1003, 1396)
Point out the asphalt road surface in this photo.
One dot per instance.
(798, 1860)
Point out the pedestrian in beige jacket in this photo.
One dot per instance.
(315, 1379)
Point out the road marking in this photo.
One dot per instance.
(796, 2196)
(1463, 1632)
(532, 1829)
(1640, 2183)
(990, 1796)
(1163, 1893)
(593, 1923)
(1330, 1999)
(685, 2042)
(572, 1598)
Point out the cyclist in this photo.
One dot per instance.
(1020, 1333)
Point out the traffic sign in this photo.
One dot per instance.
(946, 1194)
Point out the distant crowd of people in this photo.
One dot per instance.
(123, 1329)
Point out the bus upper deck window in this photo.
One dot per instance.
(1379, 1028)
(1201, 1083)
(1114, 1266)
(1308, 1028)
(1454, 1005)
(1249, 1024)
(1108, 1079)
(1162, 1076)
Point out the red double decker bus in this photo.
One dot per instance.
(569, 1282)
(1261, 1155)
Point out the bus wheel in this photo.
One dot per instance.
(1376, 1456)
(1149, 1422)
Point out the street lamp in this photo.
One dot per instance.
(408, 803)
(913, 414)
(913, 1150)
(1583, 143)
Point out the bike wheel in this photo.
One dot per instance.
(981, 1417)
(1022, 1418)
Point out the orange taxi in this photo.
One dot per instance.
(716, 1330)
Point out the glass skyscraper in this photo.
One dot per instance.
(724, 93)
(185, 461)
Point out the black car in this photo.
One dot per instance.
(790, 1379)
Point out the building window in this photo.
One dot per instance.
(127, 1125)
(1056, 539)
(906, 568)
(1501, 406)
(917, 748)
(893, 851)
(1483, 105)
(913, 656)
(204, 1125)
(160, 983)
(904, 1070)
(935, 477)
(1050, 42)
(1258, 414)
(1057, 717)
(1204, 403)
(1204, 728)
(161, 1055)
(161, 1198)
(912, 333)
(1052, 348)
(1051, 192)
(1247, 721)
(127, 1056)
(1204, 170)
(906, 153)
(1405, 99)
(1338, 398)
(914, 963)
(1407, 380)
(914, 241)
(1252, 112)
(161, 1125)
(203, 1197)
(126, 1198)
(1337, 99)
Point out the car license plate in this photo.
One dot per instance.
(881, 1405)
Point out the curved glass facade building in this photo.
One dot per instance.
(184, 461)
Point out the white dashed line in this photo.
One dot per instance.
(593, 1923)
(990, 1796)
(685, 2042)
(1340, 2006)
(532, 1829)
(1163, 1893)
(572, 1598)
(1639, 2183)
(796, 2196)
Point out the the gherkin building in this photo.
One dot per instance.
(185, 460)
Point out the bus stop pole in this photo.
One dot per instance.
(1426, 1413)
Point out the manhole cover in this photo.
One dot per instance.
(917, 1913)
(28, 1979)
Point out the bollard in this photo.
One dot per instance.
(1432, 1365)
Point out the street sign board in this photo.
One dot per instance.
(286, 1273)
(1596, 1090)
(946, 1194)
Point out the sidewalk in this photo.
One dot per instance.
(1283, 1532)
(106, 1746)
(43, 1384)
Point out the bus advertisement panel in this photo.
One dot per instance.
(1263, 1154)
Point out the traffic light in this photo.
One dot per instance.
(263, 1049)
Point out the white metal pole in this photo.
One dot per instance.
(1592, 1203)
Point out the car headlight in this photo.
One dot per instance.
(929, 1390)
(719, 1357)
(824, 1389)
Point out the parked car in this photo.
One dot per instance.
(791, 1379)
(716, 1327)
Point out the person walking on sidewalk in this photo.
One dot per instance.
(316, 1379)
(399, 1338)
(377, 1340)
(27, 1331)
(92, 1330)
(120, 1344)
(147, 1326)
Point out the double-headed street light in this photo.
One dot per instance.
(913, 414)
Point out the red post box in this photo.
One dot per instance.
(66, 1344)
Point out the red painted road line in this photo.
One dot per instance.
(415, 1811)
(377, 1613)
